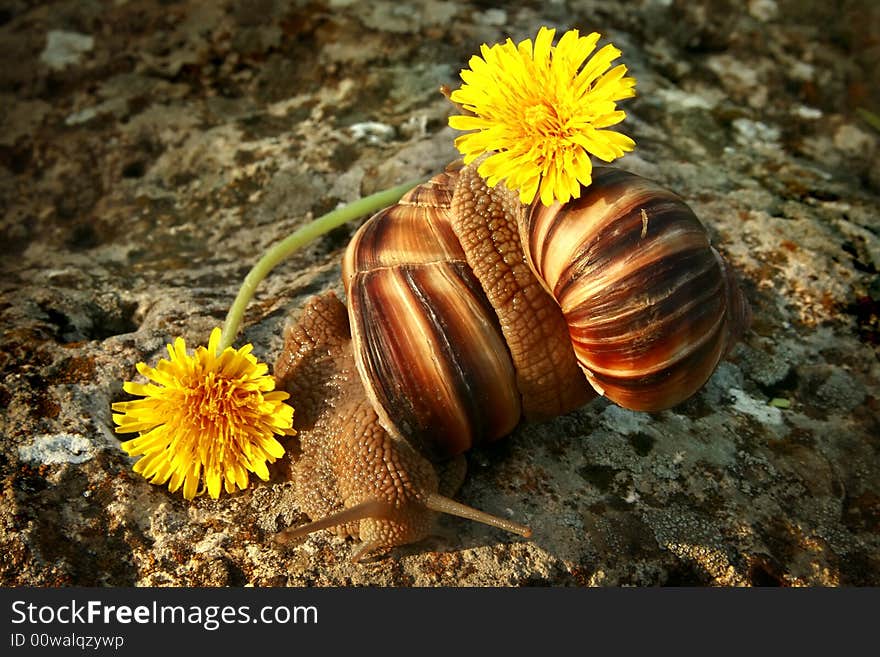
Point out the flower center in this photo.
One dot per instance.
(542, 118)
(213, 401)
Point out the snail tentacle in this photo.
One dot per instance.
(362, 511)
(443, 504)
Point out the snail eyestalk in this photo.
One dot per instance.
(362, 511)
(449, 506)
(298, 239)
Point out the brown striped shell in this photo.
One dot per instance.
(650, 306)
(426, 340)
(455, 334)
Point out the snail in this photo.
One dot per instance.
(468, 312)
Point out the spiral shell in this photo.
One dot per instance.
(650, 306)
(427, 342)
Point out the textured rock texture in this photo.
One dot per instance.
(150, 151)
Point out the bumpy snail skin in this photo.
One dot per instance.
(486, 221)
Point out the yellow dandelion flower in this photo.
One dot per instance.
(541, 112)
(205, 420)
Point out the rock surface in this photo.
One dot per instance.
(150, 151)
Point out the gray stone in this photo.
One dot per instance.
(65, 49)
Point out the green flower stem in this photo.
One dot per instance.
(298, 239)
(870, 118)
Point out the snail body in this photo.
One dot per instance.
(468, 312)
